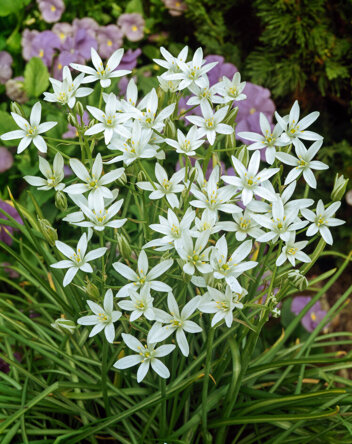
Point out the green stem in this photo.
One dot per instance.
(146, 173)
(64, 141)
(205, 385)
(104, 372)
(163, 407)
(101, 239)
(58, 151)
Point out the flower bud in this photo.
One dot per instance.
(79, 109)
(298, 280)
(231, 117)
(60, 201)
(124, 246)
(339, 189)
(15, 90)
(160, 92)
(141, 177)
(72, 120)
(170, 129)
(243, 155)
(92, 291)
(64, 325)
(48, 231)
(193, 174)
(122, 180)
(230, 141)
(276, 312)
(16, 108)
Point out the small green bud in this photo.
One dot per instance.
(92, 291)
(141, 177)
(339, 189)
(122, 180)
(230, 141)
(79, 109)
(298, 280)
(231, 117)
(243, 155)
(60, 201)
(161, 94)
(48, 231)
(170, 129)
(193, 174)
(72, 120)
(123, 245)
(16, 108)
(64, 325)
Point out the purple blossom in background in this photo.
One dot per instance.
(175, 7)
(72, 131)
(88, 24)
(63, 30)
(132, 26)
(220, 70)
(129, 60)
(314, 315)
(67, 171)
(76, 49)
(44, 45)
(27, 42)
(109, 39)
(51, 10)
(182, 107)
(5, 66)
(4, 229)
(6, 159)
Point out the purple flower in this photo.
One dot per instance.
(6, 159)
(51, 10)
(132, 26)
(44, 45)
(72, 131)
(6, 231)
(88, 24)
(109, 39)
(76, 49)
(314, 315)
(175, 7)
(63, 30)
(27, 42)
(5, 66)
(183, 107)
(129, 59)
(220, 70)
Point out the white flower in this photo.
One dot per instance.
(103, 318)
(142, 278)
(134, 145)
(304, 163)
(195, 257)
(168, 85)
(108, 121)
(280, 222)
(209, 222)
(63, 325)
(268, 139)
(171, 63)
(192, 72)
(187, 144)
(294, 128)
(78, 260)
(233, 267)
(214, 198)
(222, 304)
(104, 74)
(244, 225)
(67, 91)
(94, 182)
(231, 89)
(139, 304)
(322, 219)
(210, 124)
(176, 322)
(204, 93)
(53, 176)
(172, 228)
(30, 132)
(99, 216)
(292, 251)
(147, 356)
(165, 186)
(249, 181)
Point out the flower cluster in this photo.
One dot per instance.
(200, 238)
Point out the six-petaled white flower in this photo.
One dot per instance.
(291, 251)
(53, 176)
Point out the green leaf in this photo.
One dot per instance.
(151, 52)
(8, 7)
(36, 77)
(7, 124)
(134, 6)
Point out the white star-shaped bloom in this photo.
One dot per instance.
(102, 73)
(187, 144)
(194, 257)
(53, 176)
(291, 251)
(171, 63)
(139, 304)
(231, 89)
(30, 131)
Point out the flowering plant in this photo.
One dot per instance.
(170, 263)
